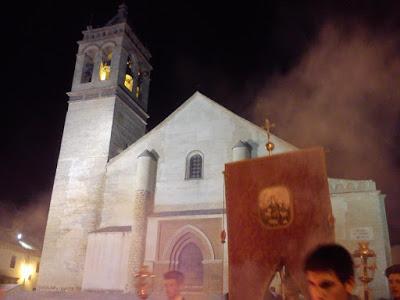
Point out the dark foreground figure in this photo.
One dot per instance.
(330, 273)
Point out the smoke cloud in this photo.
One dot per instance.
(344, 94)
(30, 220)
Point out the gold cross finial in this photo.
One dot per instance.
(268, 126)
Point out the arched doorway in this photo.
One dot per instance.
(187, 251)
(190, 263)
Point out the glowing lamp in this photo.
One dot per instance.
(223, 236)
(144, 282)
(26, 271)
(25, 245)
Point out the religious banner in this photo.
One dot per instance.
(278, 209)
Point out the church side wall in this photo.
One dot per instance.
(119, 193)
(77, 192)
(358, 217)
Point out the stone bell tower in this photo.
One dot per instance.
(106, 113)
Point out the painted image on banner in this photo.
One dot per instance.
(276, 208)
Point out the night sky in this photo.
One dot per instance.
(326, 73)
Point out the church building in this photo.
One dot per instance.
(124, 197)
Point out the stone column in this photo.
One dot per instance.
(115, 64)
(96, 67)
(142, 205)
(76, 80)
(144, 93)
(121, 57)
(242, 150)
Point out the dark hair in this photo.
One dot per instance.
(331, 257)
(392, 269)
(178, 276)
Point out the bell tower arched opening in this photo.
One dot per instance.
(88, 66)
(105, 64)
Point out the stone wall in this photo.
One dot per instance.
(360, 215)
(127, 128)
(77, 192)
(106, 260)
(199, 124)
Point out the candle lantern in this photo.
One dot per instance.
(365, 265)
(144, 282)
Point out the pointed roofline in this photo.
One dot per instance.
(181, 107)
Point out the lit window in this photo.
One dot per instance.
(105, 67)
(194, 166)
(13, 261)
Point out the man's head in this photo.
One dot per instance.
(393, 275)
(329, 271)
(173, 281)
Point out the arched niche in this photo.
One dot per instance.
(186, 251)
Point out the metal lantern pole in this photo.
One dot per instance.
(365, 265)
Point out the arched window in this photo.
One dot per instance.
(190, 263)
(105, 65)
(128, 83)
(87, 68)
(194, 165)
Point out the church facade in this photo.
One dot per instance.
(123, 197)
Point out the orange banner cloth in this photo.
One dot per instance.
(278, 209)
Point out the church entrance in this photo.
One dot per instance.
(190, 264)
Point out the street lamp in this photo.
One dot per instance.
(26, 272)
(144, 282)
(365, 265)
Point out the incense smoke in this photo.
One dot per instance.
(344, 94)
